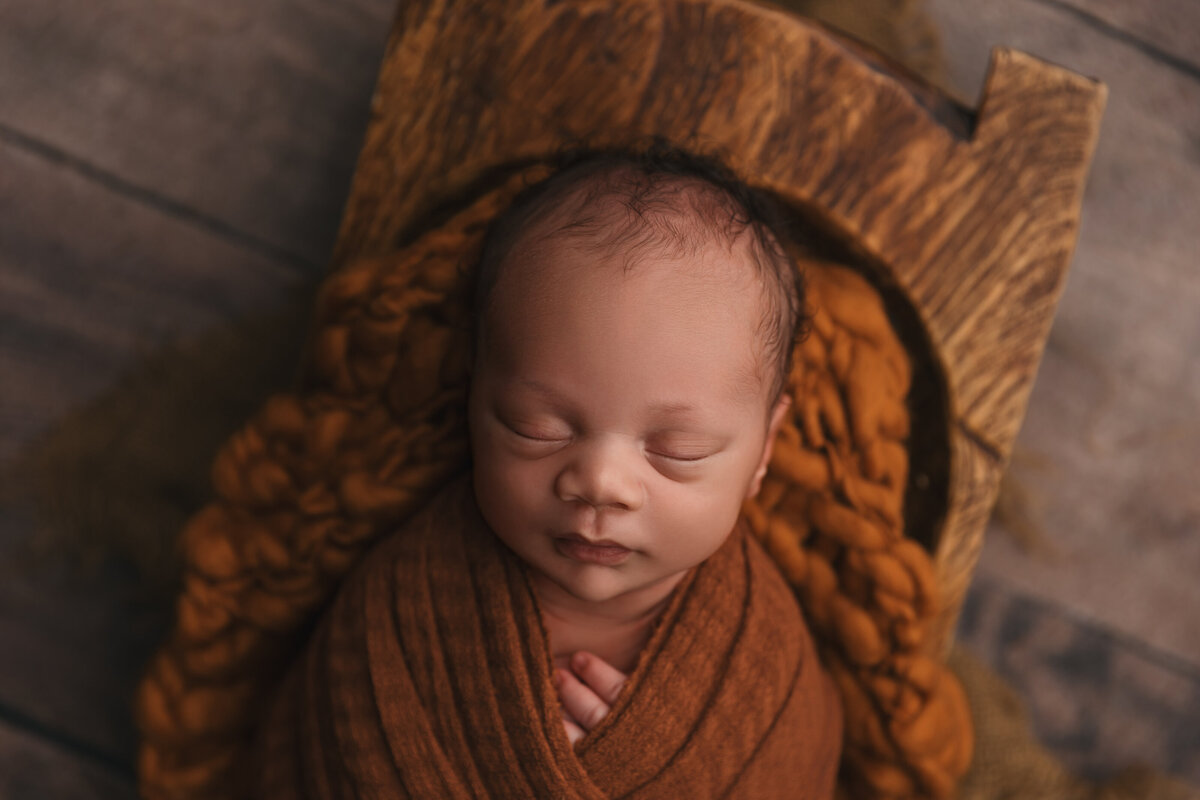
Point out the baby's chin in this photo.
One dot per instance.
(594, 584)
(598, 585)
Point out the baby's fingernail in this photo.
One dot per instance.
(580, 660)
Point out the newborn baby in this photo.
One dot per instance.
(584, 615)
(635, 326)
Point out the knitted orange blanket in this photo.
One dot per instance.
(430, 677)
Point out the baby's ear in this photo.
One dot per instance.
(778, 415)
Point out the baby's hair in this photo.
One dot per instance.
(648, 184)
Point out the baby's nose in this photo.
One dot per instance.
(602, 473)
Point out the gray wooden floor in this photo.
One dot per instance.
(167, 170)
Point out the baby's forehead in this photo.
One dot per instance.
(682, 222)
(630, 224)
(625, 229)
(705, 298)
(624, 209)
(706, 276)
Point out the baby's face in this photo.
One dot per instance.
(626, 408)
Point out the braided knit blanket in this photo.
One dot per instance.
(430, 677)
(322, 474)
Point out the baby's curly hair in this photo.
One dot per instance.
(649, 184)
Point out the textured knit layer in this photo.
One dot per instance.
(430, 677)
(379, 427)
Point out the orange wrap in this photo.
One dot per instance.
(430, 677)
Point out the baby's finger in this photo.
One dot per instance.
(603, 678)
(580, 702)
(574, 732)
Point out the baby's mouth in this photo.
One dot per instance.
(576, 537)
(602, 551)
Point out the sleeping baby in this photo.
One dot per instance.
(584, 615)
(635, 332)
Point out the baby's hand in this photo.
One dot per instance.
(587, 701)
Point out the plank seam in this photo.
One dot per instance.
(158, 202)
(1107, 28)
(29, 726)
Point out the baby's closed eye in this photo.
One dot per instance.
(536, 431)
(539, 436)
(683, 449)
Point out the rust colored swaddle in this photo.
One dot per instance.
(430, 677)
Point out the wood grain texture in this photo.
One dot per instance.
(248, 114)
(976, 230)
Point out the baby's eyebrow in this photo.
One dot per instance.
(540, 388)
(666, 408)
(674, 409)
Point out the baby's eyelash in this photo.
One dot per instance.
(532, 438)
(538, 438)
(682, 459)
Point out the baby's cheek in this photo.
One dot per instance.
(702, 527)
(506, 487)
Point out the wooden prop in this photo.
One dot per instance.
(963, 221)
(973, 215)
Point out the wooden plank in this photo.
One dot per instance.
(34, 767)
(75, 644)
(976, 230)
(96, 274)
(1101, 702)
(250, 114)
(89, 280)
(91, 283)
(1168, 28)
(1107, 455)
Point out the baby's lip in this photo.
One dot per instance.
(595, 543)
